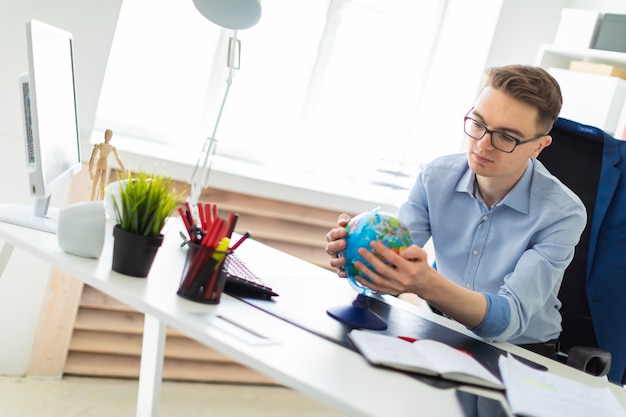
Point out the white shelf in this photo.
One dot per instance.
(587, 95)
(560, 56)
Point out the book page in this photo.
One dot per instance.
(448, 360)
(386, 350)
(535, 393)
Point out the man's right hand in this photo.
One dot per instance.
(336, 244)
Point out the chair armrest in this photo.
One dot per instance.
(594, 361)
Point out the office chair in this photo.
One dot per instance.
(593, 293)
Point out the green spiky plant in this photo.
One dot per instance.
(144, 203)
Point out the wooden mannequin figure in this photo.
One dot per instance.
(98, 180)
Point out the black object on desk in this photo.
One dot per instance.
(304, 301)
(242, 282)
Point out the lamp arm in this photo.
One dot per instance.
(200, 175)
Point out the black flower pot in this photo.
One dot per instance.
(133, 254)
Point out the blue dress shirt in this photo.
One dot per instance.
(514, 253)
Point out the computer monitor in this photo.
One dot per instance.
(50, 120)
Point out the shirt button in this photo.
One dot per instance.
(467, 285)
(485, 218)
(474, 252)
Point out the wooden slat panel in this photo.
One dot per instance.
(261, 207)
(95, 299)
(107, 343)
(113, 321)
(277, 229)
(88, 341)
(109, 321)
(90, 364)
(314, 255)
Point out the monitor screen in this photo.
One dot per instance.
(50, 120)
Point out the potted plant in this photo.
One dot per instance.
(142, 206)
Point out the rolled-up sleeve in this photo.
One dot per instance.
(497, 317)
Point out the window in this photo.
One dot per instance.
(335, 89)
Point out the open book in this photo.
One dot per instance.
(425, 356)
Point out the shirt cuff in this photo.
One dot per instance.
(496, 319)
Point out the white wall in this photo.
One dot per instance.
(522, 26)
(92, 22)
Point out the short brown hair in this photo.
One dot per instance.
(532, 85)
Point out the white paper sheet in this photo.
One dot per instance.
(536, 393)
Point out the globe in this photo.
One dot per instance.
(374, 225)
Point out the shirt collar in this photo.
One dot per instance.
(518, 198)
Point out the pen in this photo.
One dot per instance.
(240, 241)
(232, 221)
(408, 338)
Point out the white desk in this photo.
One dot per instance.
(316, 367)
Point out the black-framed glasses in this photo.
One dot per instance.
(499, 140)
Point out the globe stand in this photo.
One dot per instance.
(358, 314)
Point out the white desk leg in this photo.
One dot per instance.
(151, 371)
(5, 255)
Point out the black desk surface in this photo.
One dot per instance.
(303, 302)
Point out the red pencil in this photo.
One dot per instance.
(214, 213)
(207, 215)
(202, 217)
(212, 236)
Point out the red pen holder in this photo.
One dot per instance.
(203, 276)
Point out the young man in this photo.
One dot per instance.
(503, 228)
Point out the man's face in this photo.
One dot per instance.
(499, 111)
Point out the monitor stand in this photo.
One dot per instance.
(38, 216)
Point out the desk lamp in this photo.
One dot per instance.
(229, 14)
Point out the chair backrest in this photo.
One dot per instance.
(576, 159)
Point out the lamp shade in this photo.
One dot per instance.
(230, 14)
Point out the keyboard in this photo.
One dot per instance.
(241, 282)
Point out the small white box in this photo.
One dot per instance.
(578, 28)
(591, 99)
